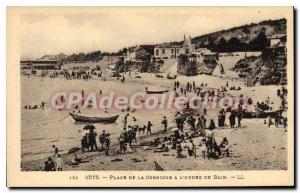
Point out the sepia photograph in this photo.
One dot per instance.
(176, 92)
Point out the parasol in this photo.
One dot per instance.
(89, 127)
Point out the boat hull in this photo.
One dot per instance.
(84, 119)
(156, 92)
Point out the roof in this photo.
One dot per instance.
(202, 50)
(45, 59)
(134, 49)
(45, 64)
(168, 46)
(187, 40)
(278, 36)
(205, 51)
(209, 53)
(280, 44)
(143, 56)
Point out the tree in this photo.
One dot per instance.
(211, 43)
(246, 30)
(259, 43)
(186, 67)
(222, 45)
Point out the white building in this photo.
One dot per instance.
(278, 39)
(46, 64)
(135, 53)
(203, 53)
(167, 51)
(277, 45)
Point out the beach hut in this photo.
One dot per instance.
(154, 166)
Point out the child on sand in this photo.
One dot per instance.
(191, 148)
(224, 147)
(58, 163)
(179, 151)
(203, 150)
(269, 120)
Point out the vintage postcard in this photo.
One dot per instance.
(150, 96)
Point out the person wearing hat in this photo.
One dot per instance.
(191, 148)
(102, 139)
(122, 140)
(107, 143)
(92, 140)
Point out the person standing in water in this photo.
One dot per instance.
(82, 93)
(165, 123)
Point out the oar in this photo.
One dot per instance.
(63, 118)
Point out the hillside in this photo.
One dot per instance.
(246, 37)
(265, 70)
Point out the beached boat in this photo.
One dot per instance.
(155, 92)
(262, 115)
(85, 119)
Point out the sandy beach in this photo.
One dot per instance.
(254, 146)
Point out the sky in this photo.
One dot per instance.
(110, 29)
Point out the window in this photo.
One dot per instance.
(163, 51)
(172, 51)
(157, 52)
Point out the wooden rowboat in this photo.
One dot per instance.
(155, 92)
(107, 120)
(261, 115)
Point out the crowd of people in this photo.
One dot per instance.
(278, 119)
(197, 127)
(80, 74)
(191, 126)
(42, 106)
(89, 142)
(181, 139)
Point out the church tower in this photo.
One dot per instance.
(187, 45)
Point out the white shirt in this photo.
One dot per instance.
(59, 162)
